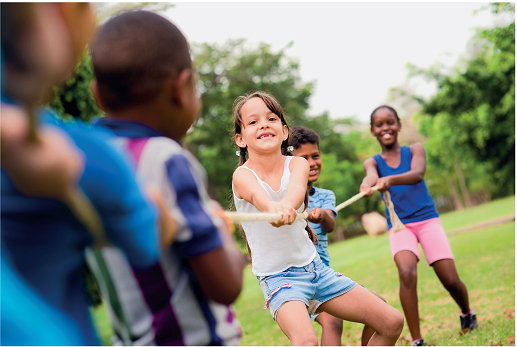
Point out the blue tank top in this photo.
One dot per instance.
(412, 203)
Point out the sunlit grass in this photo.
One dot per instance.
(485, 260)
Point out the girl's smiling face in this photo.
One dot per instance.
(385, 127)
(262, 129)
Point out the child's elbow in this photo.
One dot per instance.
(419, 176)
(227, 294)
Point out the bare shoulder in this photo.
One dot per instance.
(241, 174)
(298, 163)
(417, 148)
(370, 162)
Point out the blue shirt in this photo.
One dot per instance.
(46, 241)
(324, 199)
(27, 319)
(412, 203)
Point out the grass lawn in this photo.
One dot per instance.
(485, 260)
(477, 214)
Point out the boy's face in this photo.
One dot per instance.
(311, 152)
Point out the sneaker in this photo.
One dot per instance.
(468, 322)
(419, 342)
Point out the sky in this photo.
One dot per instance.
(354, 52)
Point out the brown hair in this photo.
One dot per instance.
(274, 106)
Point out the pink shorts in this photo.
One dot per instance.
(429, 233)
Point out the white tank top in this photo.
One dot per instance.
(276, 249)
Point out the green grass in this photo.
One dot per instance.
(477, 214)
(485, 260)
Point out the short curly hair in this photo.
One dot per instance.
(302, 135)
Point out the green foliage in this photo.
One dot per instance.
(74, 98)
(473, 113)
(234, 69)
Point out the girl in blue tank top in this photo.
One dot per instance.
(400, 170)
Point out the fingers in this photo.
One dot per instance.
(383, 184)
(288, 214)
(367, 189)
(316, 215)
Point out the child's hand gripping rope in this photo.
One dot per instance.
(237, 217)
(395, 221)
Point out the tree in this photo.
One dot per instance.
(237, 68)
(472, 116)
(74, 99)
(225, 72)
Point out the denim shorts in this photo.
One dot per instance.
(313, 284)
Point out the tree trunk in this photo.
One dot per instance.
(463, 185)
(455, 198)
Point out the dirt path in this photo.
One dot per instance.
(483, 225)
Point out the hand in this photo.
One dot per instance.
(287, 212)
(50, 167)
(316, 215)
(383, 183)
(366, 188)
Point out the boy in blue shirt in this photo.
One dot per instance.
(322, 214)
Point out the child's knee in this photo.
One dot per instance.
(331, 323)
(407, 275)
(392, 324)
(395, 324)
(307, 339)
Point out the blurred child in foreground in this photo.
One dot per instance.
(150, 102)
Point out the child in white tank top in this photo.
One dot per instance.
(292, 276)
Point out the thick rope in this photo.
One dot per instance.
(353, 199)
(239, 217)
(395, 220)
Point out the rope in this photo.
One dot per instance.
(239, 217)
(395, 220)
(353, 199)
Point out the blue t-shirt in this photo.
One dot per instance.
(324, 199)
(412, 203)
(27, 319)
(46, 241)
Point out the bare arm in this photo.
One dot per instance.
(297, 187)
(324, 217)
(246, 187)
(220, 271)
(371, 178)
(415, 175)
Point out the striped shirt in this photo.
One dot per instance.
(165, 305)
